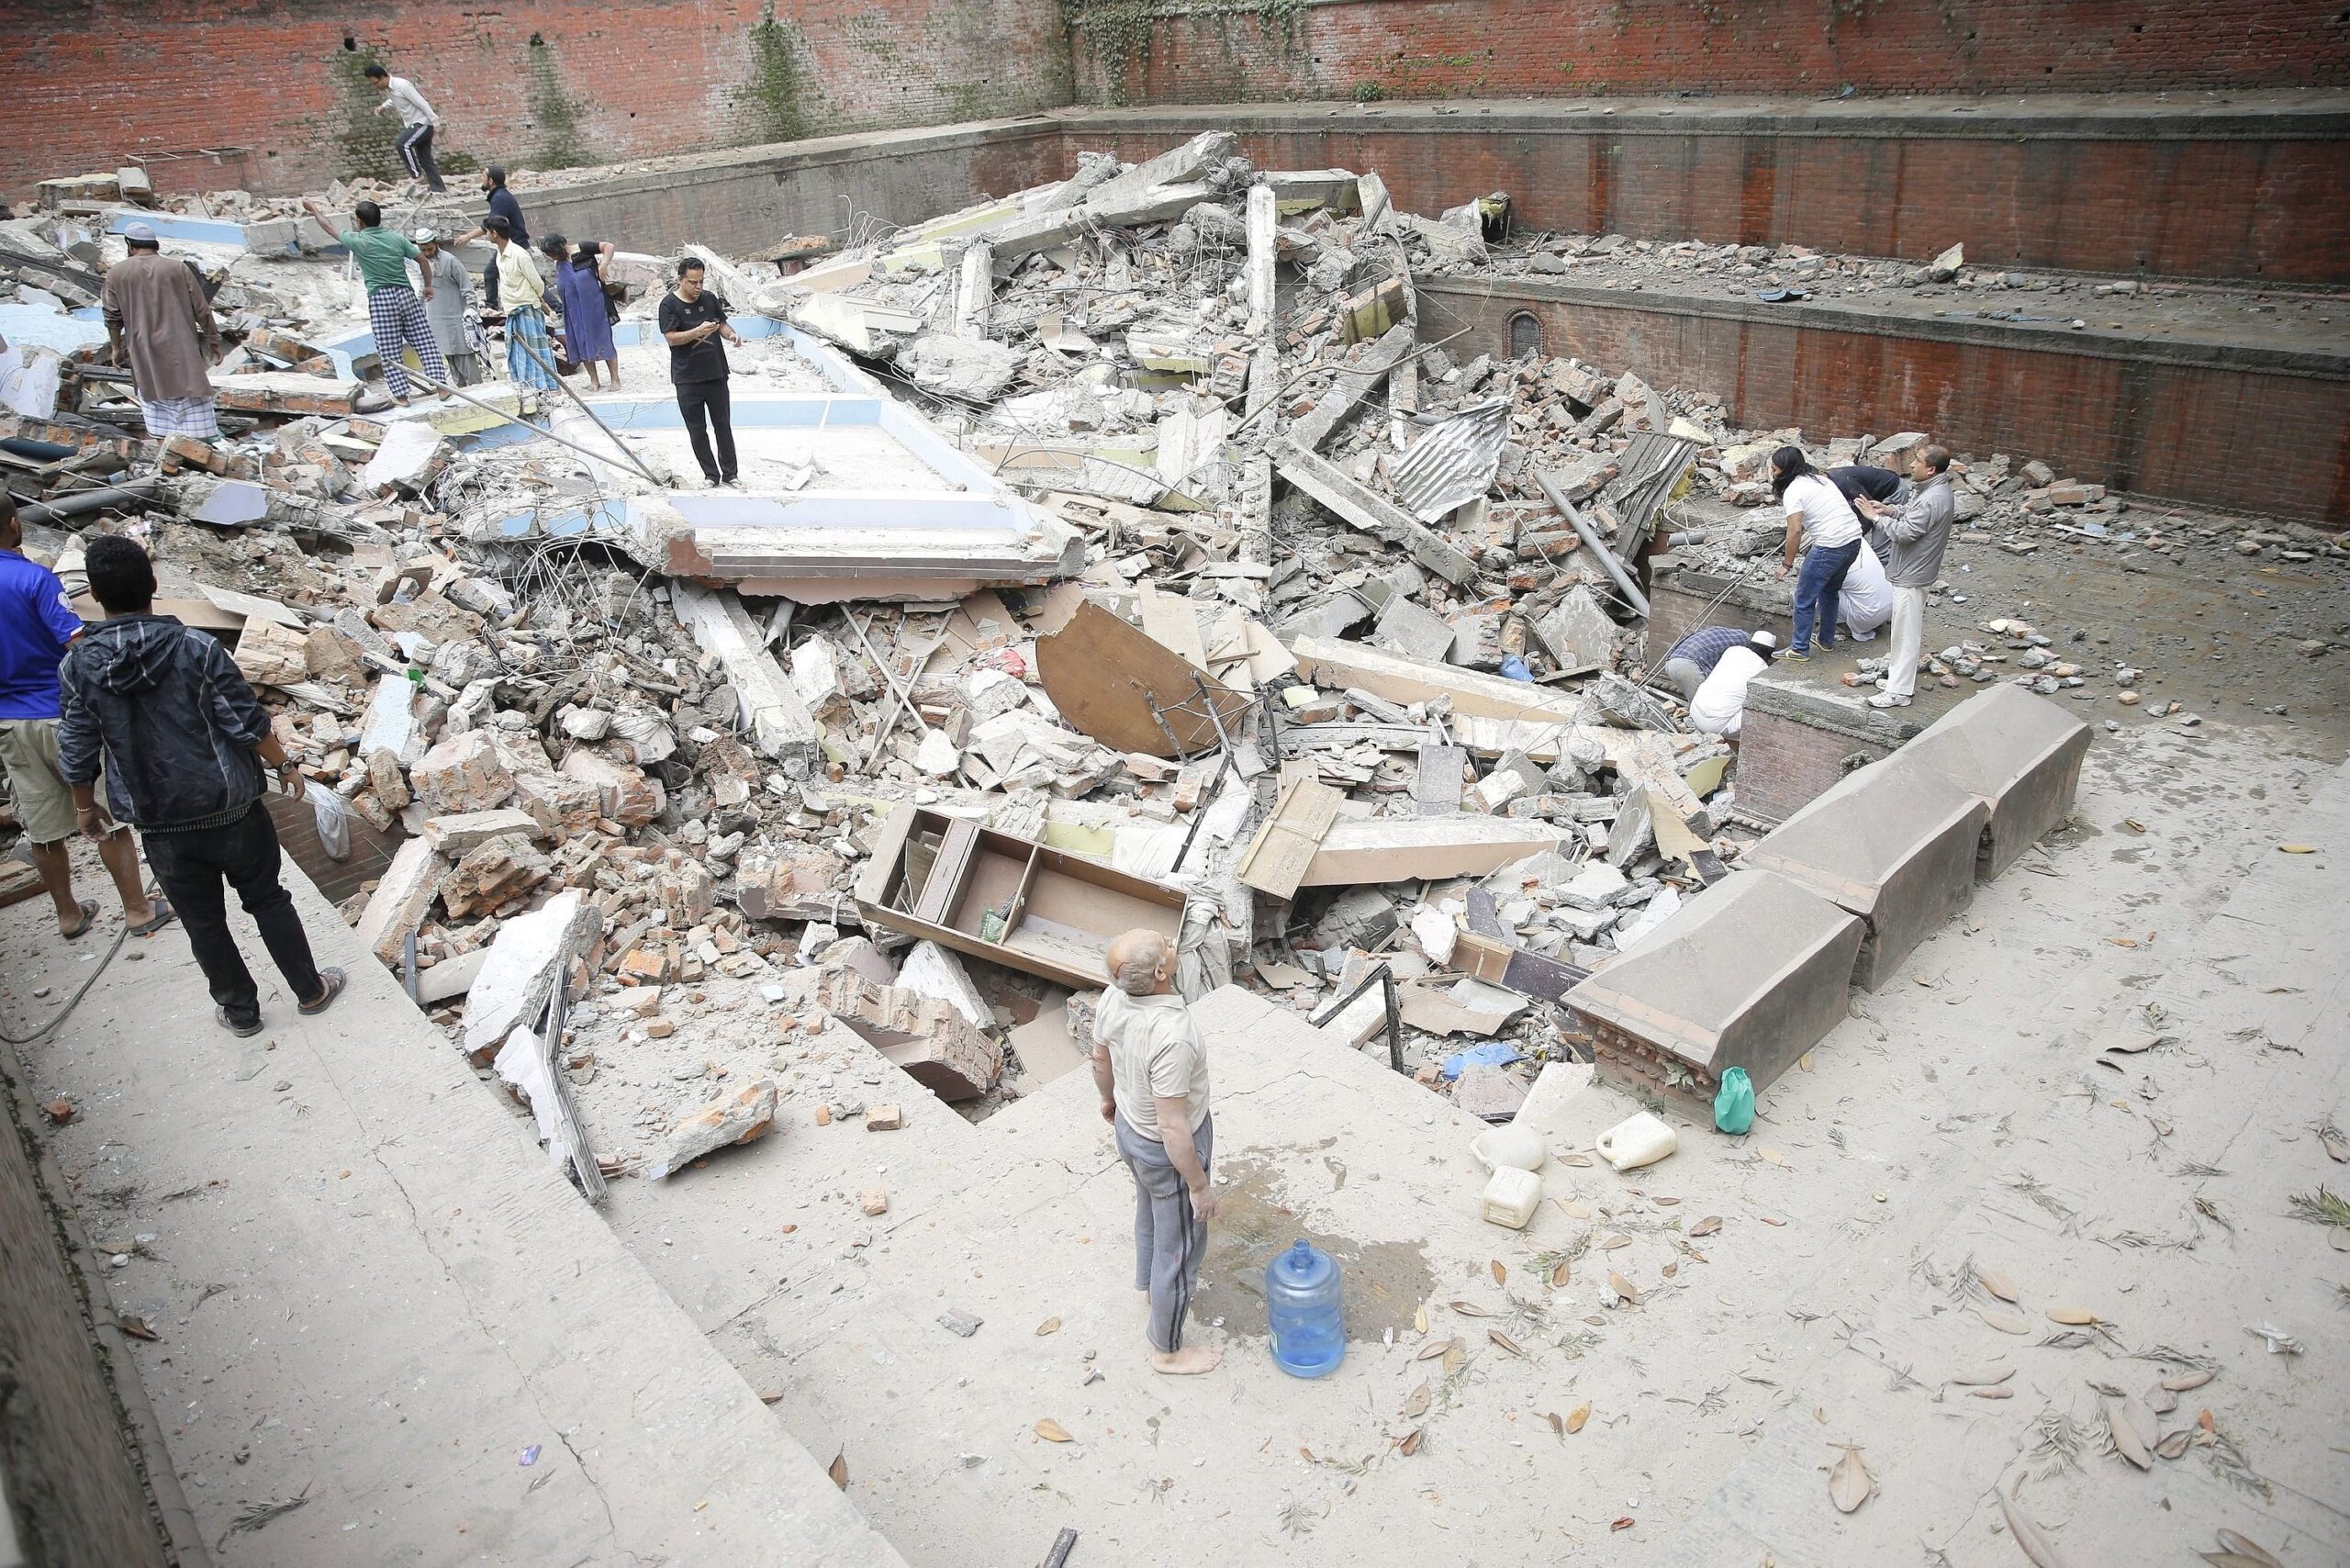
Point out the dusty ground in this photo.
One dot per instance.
(1962, 1115)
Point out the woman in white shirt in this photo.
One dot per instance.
(1821, 523)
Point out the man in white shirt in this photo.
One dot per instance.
(1719, 706)
(1152, 1070)
(417, 122)
(1820, 522)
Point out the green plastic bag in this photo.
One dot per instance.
(1734, 1106)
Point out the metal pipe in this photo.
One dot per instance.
(564, 387)
(1591, 540)
(90, 500)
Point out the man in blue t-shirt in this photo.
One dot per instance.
(36, 623)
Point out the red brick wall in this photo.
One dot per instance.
(1439, 49)
(2249, 439)
(90, 82)
(2139, 199)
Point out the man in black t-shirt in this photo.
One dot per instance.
(1879, 485)
(693, 319)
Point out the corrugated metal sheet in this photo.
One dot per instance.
(1454, 462)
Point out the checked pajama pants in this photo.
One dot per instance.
(397, 317)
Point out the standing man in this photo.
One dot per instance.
(691, 319)
(182, 740)
(417, 122)
(530, 352)
(501, 204)
(36, 626)
(1915, 537)
(448, 300)
(1152, 1070)
(393, 310)
(155, 307)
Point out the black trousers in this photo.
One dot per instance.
(693, 398)
(415, 152)
(191, 867)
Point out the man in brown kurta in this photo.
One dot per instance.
(155, 307)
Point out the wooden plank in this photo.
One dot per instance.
(1409, 849)
(1103, 674)
(1171, 621)
(947, 872)
(1501, 962)
(1373, 513)
(770, 706)
(1330, 661)
(1277, 859)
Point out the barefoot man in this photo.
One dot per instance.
(1152, 1070)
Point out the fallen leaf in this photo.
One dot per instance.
(1500, 1274)
(2075, 1316)
(2298, 849)
(2175, 1444)
(1803, 1061)
(838, 1471)
(2337, 1147)
(1571, 1209)
(1623, 1287)
(2134, 1043)
(1998, 1284)
(1050, 1326)
(1774, 1157)
(2141, 1418)
(1577, 1159)
(2182, 1383)
(1411, 1443)
(2134, 824)
(1052, 1432)
(1981, 1377)
(1558, 1424)
(1670, 1270)
(1420, 1318)
(1470, 1309)
(2123, 941)
(2004, 1322)
(1432, 1350)
(1455, 1356)
(1766, 1219)
(1558, 1275)
(2126, 1441)
(1665, 1203)
(1416, 1406)
(1578, 1416)
(1706, 1226)
(1613, 1240)
(2246, 1547)
(1849, 1484)
(2028, 1535)
(1506, 1342)
(2001, 1392)
(136, 1327)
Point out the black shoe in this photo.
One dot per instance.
(241, 1028)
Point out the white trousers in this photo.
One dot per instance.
(1908, 640)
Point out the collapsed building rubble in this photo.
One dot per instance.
(1264, 616)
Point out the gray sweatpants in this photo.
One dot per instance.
(1169, 1241)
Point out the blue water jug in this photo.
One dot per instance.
(1307, 1310)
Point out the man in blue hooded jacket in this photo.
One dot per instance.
(184, 740)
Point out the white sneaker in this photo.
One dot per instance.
(1888, 699)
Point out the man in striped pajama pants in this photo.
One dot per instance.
(1152, 1070)
(393, 308)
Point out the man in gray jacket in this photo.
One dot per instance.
(1915, 534)
(184, 741)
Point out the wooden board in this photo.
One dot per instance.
(1103, 674)
(1403, 849)
(1285, 847)
(1173, 622)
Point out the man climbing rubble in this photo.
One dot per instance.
(1152, 1070)
(393, 311)
(183, 739)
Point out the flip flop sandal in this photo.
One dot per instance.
(164, 914)
(89, 918)
(332, 981)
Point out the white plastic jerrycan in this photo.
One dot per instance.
(1637, 1140)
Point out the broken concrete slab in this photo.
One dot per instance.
(1895, 847)
(402, 895)
(463, 773)
(1752, 975)
(1577, 632)
(928, 1039)
(1365, 509)
(1398, 849)
(457, 835)
(742, 1117)
(531, 953)
(2019, 754)
(1357, 380)
(1330, 662)
(933, 971)
(770, 707)
(1047, 1049)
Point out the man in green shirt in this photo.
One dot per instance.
(393, 308)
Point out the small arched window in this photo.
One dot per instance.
(1524, 335)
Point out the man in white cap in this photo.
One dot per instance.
(448, 301)
(1719, 706)
(155, 309)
